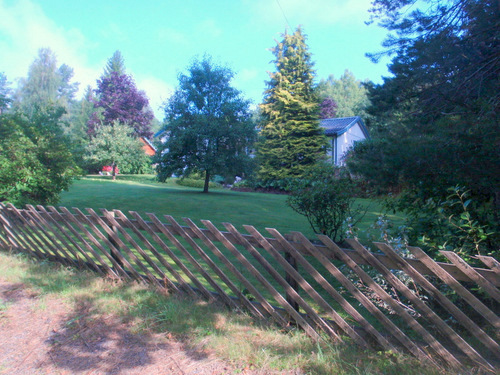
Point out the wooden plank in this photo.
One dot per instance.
(116, 270)
(473, 274)
(335, 272)
(49, 225)
(339, 321)
(30, 232)
(463, 319)
(121, 245)
(490, 262)
(488, 315)
(422, 308)
(266, 307)
(169, 284)
(380, 292)
(450, 268)
(225, 298)
(290, 259)
(63, 229)
(242, 298)
(267, 285)
(166, 231)
(153, 279)
(147, 227)
(289, 290)
(18, 239)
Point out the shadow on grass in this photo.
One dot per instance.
(124, 317)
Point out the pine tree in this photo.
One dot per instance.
(115, 64)
(291, 140)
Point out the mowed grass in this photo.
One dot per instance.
(144, 195)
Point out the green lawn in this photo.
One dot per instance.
(143, 194)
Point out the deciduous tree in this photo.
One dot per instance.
(116, 146)
(349, 93)
(208, 124)
(118, 100)
(46, 85)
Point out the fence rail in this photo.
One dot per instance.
(323, 289)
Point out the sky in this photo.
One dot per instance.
(159, 39)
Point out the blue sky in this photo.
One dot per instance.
(159, 38)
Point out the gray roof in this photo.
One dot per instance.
(338, 126)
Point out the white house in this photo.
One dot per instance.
(342, 133)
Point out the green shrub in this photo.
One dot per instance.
(325, 196)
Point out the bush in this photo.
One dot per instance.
(325, 196)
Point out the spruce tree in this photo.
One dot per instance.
(291, 140)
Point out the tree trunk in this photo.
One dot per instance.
(207, 180)
(113, 171)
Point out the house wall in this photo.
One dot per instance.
(345, 141)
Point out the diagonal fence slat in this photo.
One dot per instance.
(116, 270)
(294, 295)
(487, 286)
(168, 283)
(51, 229)
(488, 315)
(321, 280)
(75, 249)
(423, 308)
(473, 328)
(32, 234)
(215, 250)
(381, 293)
(170, 236)
(266, 284)
(280, 271)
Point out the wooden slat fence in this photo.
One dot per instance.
(286, 279)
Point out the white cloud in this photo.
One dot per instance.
(306, 12)
(25, 29)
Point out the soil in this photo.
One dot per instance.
(43, 335)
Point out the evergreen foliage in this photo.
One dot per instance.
(291, 140)
(5, 92)
(209, 126)
(438, 116)
(115, 64)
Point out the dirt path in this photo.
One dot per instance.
(46, 336)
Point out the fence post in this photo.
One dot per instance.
(115, 248)
(289, 279)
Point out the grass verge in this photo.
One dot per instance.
(234, 336)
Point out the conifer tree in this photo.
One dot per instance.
(291, 140)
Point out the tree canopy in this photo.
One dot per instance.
(117, 147)
(5, 92)
(46, 85)
(208, 124)
(118, 100)
(35, 161)
(115, 64)
(349, 94)
(438, 115)
(291, 140)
